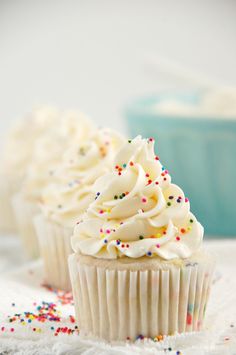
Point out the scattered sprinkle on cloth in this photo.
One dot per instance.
(37, 319)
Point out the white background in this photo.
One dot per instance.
(95, 55)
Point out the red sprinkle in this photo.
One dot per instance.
(189, 319)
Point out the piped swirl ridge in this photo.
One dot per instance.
(137, 211)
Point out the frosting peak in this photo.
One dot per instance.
(71, 127)
(68, 197)
(138, 211)
(20, 143)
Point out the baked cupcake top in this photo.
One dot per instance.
(137, 211)
(68, 197)
(20, 142)
(71, 127)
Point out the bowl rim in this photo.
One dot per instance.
(140, 106)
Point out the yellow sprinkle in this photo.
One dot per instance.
(108, 211)
(158, 235)
(189, 228)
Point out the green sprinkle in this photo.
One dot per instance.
(191, 221)
(115, 197)
(124, 165)
(129, 141)
(141, 237)
(168, 204)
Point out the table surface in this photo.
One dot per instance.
(22, 291)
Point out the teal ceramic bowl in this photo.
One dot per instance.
(199, 152)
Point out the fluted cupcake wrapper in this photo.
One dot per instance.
(24, 212)
(55, 247)
(7, 218)
(120, 304)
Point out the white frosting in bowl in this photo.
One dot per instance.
(137, 211)
(218, 103)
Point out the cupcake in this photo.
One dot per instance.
(47, 154)
(17, 155)
(139, 266)
(65, 200)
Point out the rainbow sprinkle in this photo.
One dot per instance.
(63, 297)
(44, 312)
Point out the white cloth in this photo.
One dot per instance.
(20, 289)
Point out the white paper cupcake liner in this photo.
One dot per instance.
(116, 304)
(7, 218)
(55, 247)
(24, 214)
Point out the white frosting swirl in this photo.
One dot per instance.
(138, 211)
(21, 140)
(69, 196)
(71, 127)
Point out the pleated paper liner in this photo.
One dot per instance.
(116, 302)
(24, 212)
(7, 217)
(55, 247)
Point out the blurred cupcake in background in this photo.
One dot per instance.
(17, 155)
(196, 138)
(139, 266)
(71, 126)
(65, 201)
